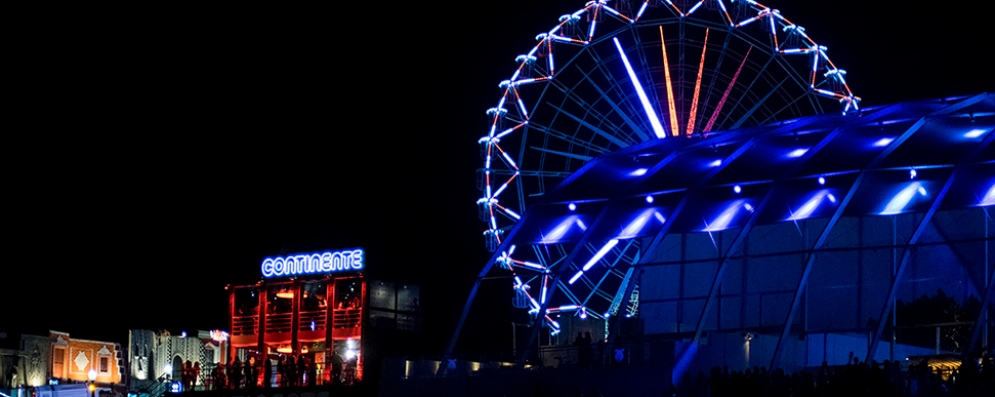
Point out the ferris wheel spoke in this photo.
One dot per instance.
(636, 129)
(747, 90)
(789, 105)
(643, 99)
(533, 173)
(749, 113)
(715, 77)
(593, 114)
(564, 154)
(572, 140)
(604, 134)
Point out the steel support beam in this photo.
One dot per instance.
(824, 235)
(544, 305)
(975, 345)
(476, 286)
(922, 226)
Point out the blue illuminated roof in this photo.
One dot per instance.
(887, 160)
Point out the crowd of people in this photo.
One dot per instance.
(285, 371)
(855, 379)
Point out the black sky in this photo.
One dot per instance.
(154, 155)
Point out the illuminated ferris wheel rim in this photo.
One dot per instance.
(493, 187)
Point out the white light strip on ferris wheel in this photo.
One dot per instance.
(510, 161)
(695, 8)
(642, 9)
(594, 22)
(654, 121)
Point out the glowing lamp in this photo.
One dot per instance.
(219, 335)
(284, 294)
(974, 133)
(883, 142)
(797, 153)
(92, 374)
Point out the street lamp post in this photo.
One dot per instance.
(92, 374)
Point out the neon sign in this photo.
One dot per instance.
(316, 263)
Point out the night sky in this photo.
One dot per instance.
(153, 156)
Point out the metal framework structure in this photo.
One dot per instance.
(814, 225)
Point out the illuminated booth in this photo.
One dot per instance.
(308, 306)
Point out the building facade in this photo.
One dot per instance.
(57, 358)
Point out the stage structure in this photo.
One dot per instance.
(703, 170)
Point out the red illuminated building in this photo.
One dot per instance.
(310, 307)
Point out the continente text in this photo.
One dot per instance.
(315, 263)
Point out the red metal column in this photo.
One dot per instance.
(295, 319)
(261, 332)
(231, 321)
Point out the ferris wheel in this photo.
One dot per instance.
(617, 73)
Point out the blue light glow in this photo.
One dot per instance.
(600, 254)
(725, 218)
(715, 163)
(809, 207)
(649, 199)
(974, 133)
(683, 363)
(638, 172)
(575, 277)
(902, 199)
(581, 225)
(659, 217)
(822, 180)
(737, 189)
(831, 198)
(797, 153)
(647, 107)
(322, 262)
(511, 213)
(883, 142)
(636, 226)
(912, 174)
(989, 198)
(559, 231)
(572, 207)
